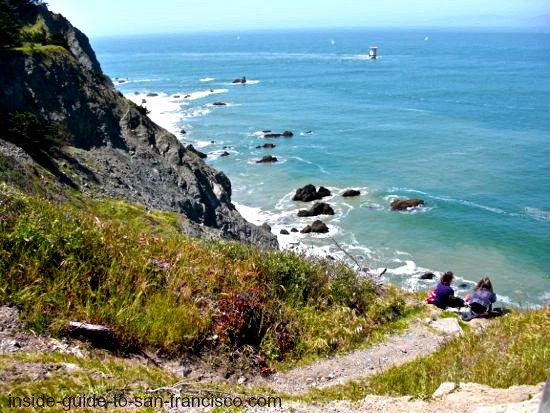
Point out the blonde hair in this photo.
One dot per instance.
(485, 284)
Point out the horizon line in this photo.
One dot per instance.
(469, 29)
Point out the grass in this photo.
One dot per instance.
(514, 350)
(114, 263)
(66, 378)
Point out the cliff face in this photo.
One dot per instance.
(113, 148)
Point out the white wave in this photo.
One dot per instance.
(131, 81)
(538, 214)
(207, 79)
(203, 93)
(323, 170)
(450, 200)
(164, 110)
(218, 154)
(545, 297)
(195, 112)
(248, 82)
(358, 57)
(203, 144)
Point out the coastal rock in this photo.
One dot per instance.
(152, 94)
(219, 104)
(317, 226)
(187, 96)
(183, 131)
(241, 80)
(176, 96)
(351, 192)
(404, 204)
(114, 150)
(284, 232)
(200, 154)
(285, 134)
(427, 276)
(318, 208)
(323, 192)
(310, 193)
(268, 159)
(225, 153)
(294, 230)
(265, 146)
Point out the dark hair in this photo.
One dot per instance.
(485, 284)
(447, 278)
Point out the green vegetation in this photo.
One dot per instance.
(117, 264)
(27, 131)
(19, 23)
(513, 350)
(70, 376)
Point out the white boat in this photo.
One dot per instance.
(373, 52)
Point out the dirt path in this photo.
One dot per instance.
(420, 339)
(468, 398)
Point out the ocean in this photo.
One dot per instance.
(461, 120)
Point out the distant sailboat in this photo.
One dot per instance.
(332, 42)
(426, 38)
(373, 53)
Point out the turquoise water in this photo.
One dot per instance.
(461, 120)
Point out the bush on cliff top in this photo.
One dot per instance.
(113, 263)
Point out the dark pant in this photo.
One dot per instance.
(452, 302)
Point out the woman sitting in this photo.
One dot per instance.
(482, 298)
(445, 295)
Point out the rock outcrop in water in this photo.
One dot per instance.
(318, 208)
(351, 192)
(310, 193)
(316, 226)
(404, 204)
(103, 144)
(268, 159)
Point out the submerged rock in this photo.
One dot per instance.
(265, 146)
(219, 104)
(351, 192)
(284, 232)
(268, 159)
(404, 204)
(285, 134)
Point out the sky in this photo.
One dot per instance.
(99, 18)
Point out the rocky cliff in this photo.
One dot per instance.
(100, 143)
